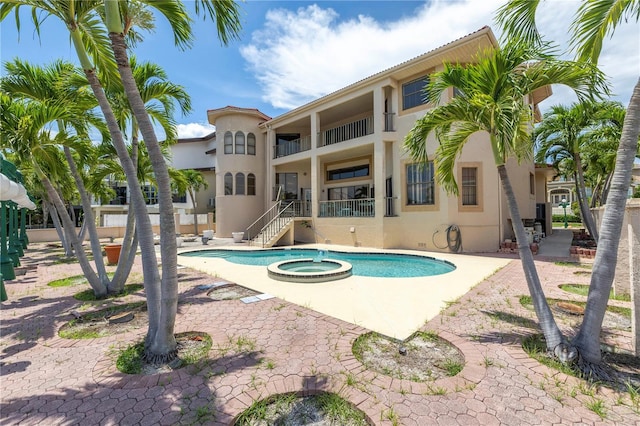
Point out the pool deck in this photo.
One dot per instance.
(395, 307)
(274, 346)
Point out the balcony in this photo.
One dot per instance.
(362, 207)
(292, 147)
(355, 129)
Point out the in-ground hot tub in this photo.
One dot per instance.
(309, 270)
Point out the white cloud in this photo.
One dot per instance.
(301, 55)
(194, 130)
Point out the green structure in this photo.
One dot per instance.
(13, 236)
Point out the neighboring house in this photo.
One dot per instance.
(339, 165)
(198, 154)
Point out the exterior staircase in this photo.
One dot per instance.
(272, 225)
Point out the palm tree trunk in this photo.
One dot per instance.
(605, 191)
(89, 221)
(99, 289)
(587, 217)
(129, 242)
(163, 346)
(68, 252)
(139, 206)
(555, 340)
(588, 339)
(143, 223)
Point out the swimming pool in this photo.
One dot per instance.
(386, 265)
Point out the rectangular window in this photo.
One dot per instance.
(348, 173)
(150, 194)
(420, 184)
(413, 92)
(179, 198)
(532, 184)
(349, 192)
(289, 184)
(469, 186)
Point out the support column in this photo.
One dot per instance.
(6, 263)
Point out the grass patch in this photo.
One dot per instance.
(573, 264)
(193, 347)
(290, 408)
(536, 347)
(583, 290)
(71, 281)
(527, 303)
(88, 294)
(82, 328)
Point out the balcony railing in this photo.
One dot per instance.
(292, 147)
(362, 207)
(346, 132)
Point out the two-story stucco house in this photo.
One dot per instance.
(338, 167)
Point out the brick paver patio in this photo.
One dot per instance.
(273, 346)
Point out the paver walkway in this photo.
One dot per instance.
(273, 346)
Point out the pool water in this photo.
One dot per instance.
(386, 265)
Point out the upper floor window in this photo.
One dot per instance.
(228, 184)
(348, 172)
(251, 144)
(420, 184)
(469, 186)
(239, 143)
(251, 184)
(413, 93)
(239, 183)
(349, 192)
(228, 143)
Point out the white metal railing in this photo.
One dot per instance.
(361, 207)
(348, 131)
(292, 147)
(270, 223)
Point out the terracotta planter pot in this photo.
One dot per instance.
(573, 249)
(113, 253)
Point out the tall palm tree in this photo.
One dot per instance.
(491, 98)
(64, 83)
(594, 21)
(560, 137)
(89, 39)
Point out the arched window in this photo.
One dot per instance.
(239, 143)
(228, 143)
(251, 184)
(228, 184)
(251, 144)
(239, 183)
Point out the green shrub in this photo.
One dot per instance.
(570, 218)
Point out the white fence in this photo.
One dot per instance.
(120, 220)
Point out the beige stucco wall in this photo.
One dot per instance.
(628, 266)
(235, 213)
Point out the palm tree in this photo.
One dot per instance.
(89, 39)
(594, 20)
(192, 181)
(491, 98)
(600, 152)
(64, 83)
(560, 137)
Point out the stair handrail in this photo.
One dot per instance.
(253, 230)
(269, 230)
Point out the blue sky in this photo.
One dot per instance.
(291, 52)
